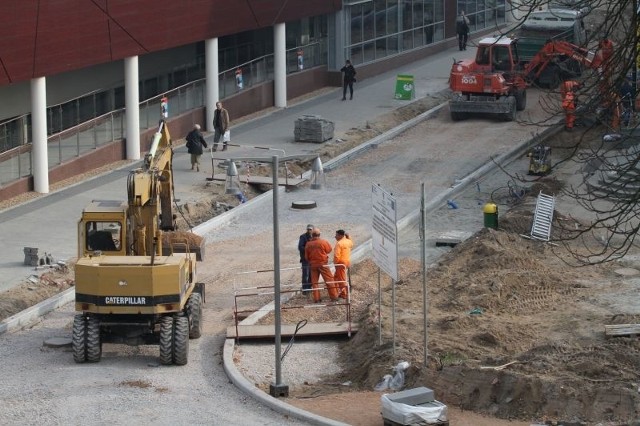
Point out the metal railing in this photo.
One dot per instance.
(15, 140)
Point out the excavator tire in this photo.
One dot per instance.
(511, 114)
(79, 338)
(458, 116)
(194, 312)
(166, 340)
(180, 340)
(521, 99)
(85, 341)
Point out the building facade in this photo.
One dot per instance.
(82, 80)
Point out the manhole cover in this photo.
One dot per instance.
(305, 204)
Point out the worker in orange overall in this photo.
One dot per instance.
(569, 106)
(569, 86)
(317, 252)
(569, 102)
(342, 261)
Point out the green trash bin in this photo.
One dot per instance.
(490, 215)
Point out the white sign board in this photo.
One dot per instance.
(384, 234)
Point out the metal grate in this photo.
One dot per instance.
(542, 218)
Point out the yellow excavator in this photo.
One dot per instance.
(129, 289)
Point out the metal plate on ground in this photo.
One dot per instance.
(451, 238)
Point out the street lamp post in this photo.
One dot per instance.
(277, 389)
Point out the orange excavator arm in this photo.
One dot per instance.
(553, 49)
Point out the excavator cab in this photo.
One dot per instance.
(496, 55)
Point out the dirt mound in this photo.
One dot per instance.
(513, 333)
(38, 288)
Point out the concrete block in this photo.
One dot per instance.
(415, 396)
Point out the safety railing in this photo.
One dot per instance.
(254, 298)
(74, 141)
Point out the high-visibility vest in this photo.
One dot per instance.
(567, 102)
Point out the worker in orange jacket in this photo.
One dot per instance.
(569, 101)
(342, 261)
(317, 252)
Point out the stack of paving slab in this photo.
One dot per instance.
(31, 257)
(313, 128)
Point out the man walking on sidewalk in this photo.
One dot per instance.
(220, 126)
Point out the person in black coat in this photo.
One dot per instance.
(462, 28)
(306, 269)
(348, 79)
(195, 143)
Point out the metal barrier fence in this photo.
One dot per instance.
(254, 296)
(15, 134)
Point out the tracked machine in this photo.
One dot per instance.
(496, 81)
(129, 290)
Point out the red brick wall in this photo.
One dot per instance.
(43, 37)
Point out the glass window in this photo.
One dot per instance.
(407, 40)
(392, 45)
(418, 14)
(418, 37)
(356, 24)
(369, 52)
(87, 108)
(368, 21)
(356, 54)
(381, 17)
(104, 236)
(392, 19)
(428, 34)
(407, 17)
(381, 48)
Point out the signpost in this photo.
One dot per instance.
(385, 231)
(384, 242)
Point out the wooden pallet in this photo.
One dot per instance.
(618, 330)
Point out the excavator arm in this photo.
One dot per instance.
(150, 196)
(555, 49)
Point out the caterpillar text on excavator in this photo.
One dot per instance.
(128, 289)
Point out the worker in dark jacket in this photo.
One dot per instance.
(348, 79)
(195, 142)
(306, 271)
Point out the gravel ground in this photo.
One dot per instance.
(46, 386)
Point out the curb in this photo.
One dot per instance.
(268, 401)
(31, 315)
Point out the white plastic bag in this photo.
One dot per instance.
(397, 382)
(384, 384)
(227, 136)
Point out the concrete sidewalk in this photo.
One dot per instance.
(49, 223)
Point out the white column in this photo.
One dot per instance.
(132, 107)
(280, 66)
(39, 154)
(212, 85)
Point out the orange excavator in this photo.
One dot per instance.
(495, 82)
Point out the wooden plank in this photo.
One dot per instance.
(621, 330)
(268, 331)
(262, 180)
